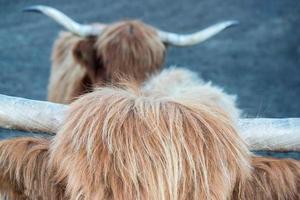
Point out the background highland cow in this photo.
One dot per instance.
(258, 61)
(86, 56)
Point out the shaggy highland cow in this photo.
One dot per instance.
(136, 143)
(25, 172)
(94, 55)
(172, 138)
(151, 142)
(271, 179)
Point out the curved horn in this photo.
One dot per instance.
(66, 22)
(259, 133)
(30, 115)
(195, 38)
(271, 134)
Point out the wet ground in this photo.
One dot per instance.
(258, 60)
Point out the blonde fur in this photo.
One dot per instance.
(67, 75)
(125, 49)
(174, 137)
(271, 178)
(133, 144)
(25, 172)
(181, 82)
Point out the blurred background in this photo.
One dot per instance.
(259, 60)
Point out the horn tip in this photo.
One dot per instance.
(35, 8)
(232, 23)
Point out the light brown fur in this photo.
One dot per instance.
(67, 78)
(129, 48)
(25, 172)
(271, 178)
(135, 144)
(178, 141)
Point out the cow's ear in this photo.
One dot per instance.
(85, 53)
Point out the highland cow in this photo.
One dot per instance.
(178, 141)
(94, 55)
(25, 172)
(138, 143)
(271, 178)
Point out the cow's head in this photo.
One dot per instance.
(130, 48)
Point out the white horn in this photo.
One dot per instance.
(271, 134)
(30, 115)
(39, 116)
(67, 22)
(194, 38)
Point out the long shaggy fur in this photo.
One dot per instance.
(174, 137)
(271, 179)
(134, 144)
(67, 78)
(129, 48)
(25, 172)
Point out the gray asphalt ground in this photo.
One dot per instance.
(259, 60)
